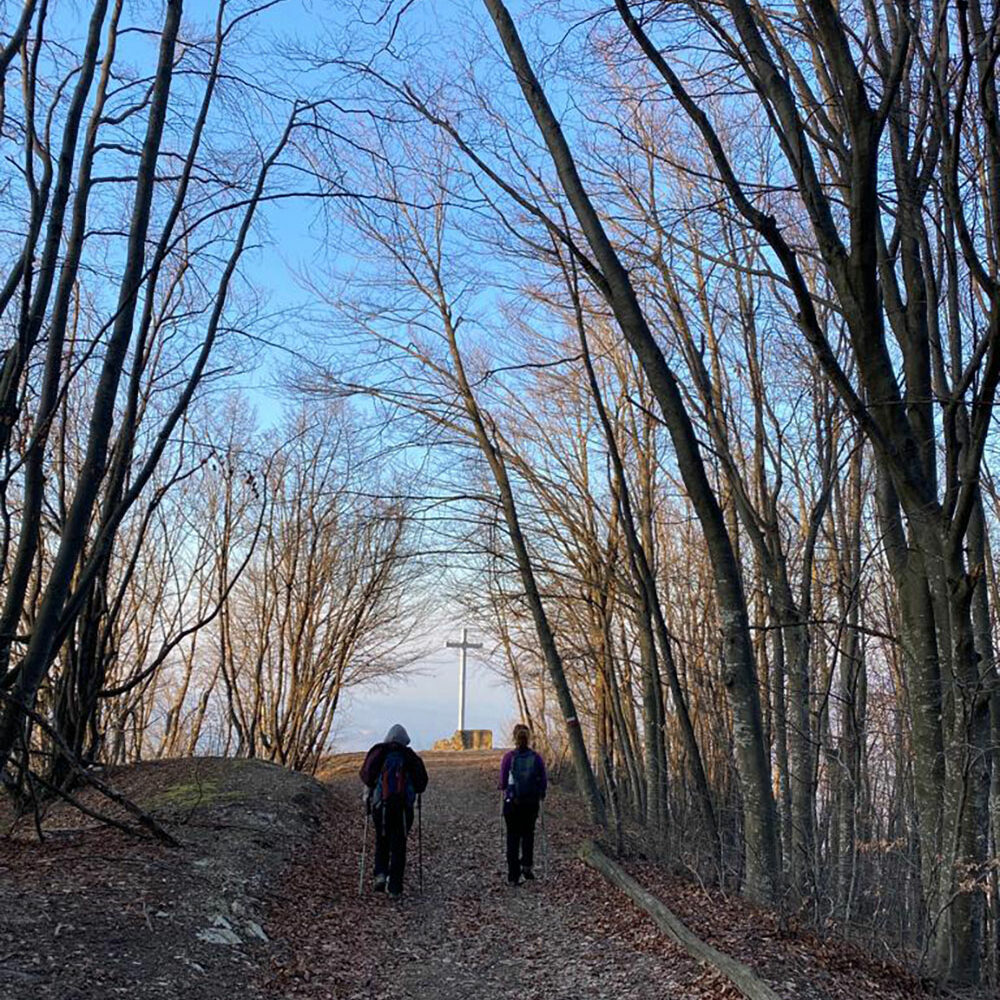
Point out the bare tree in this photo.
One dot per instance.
(332, 597)
(880, 265)
(82, 171)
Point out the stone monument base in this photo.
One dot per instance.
(467, 739)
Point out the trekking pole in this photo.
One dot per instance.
(420, 843)
(545, 843)
(364, 848)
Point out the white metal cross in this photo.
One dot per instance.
(464, 646)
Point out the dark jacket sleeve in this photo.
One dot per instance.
(418, 773)
(373, 765)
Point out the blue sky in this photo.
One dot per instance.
(297, 242)
(425, 701)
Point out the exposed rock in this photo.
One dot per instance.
(255, 930)
(467, 739)
(219, 935)
(221, 932)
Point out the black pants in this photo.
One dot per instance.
(392, 824)
(520, 818)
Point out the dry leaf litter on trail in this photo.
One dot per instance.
(469, 934)
(568, 935)
(95, 914)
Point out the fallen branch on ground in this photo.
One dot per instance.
(740, 975)
(135, 831)
(145, 821)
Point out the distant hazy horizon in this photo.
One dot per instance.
(426, 703)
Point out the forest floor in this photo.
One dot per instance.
(567, 935)
(93, 913)
(261, 903)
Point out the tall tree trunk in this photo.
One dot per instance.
(38, 656)
(762, 874)
(586, 780)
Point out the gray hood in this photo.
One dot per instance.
(397, 734)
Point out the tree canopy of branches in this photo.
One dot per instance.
(766, 236)
(673, 334)
(128, 512)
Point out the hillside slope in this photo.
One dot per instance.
(94, 913)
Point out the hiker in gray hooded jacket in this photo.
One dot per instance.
(394, 776)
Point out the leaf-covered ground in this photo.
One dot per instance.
(468, 934)
(568, 935)
(94, 914)
(268, 854)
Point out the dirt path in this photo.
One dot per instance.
(261, 901)
(471, 937)
(469, 934)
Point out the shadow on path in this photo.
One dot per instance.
(468, 934)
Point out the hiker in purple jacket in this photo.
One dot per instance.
(394, 776)
(523, 782)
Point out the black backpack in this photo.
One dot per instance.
(394, 785)
(525, 777)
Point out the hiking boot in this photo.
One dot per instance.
(394, 895)
(513, 881)
(379, 884)
(528, 874)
